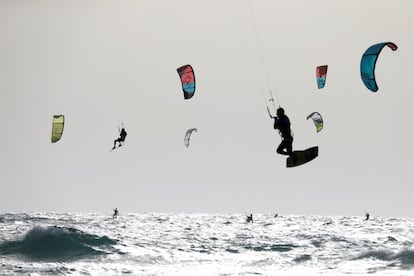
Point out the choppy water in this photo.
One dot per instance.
(203, 244)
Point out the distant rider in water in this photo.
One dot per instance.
(367, 216)
(115, 215)
(282, 123)
(249, 218)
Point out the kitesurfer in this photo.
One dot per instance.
(282, 123)
(249, 218)
(367, 216)
(121, 138)
(115, 213)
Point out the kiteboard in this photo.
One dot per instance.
(300, 157)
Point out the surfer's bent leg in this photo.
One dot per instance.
(284, 145)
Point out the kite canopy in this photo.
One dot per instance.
(321, 75)
(188, 135)
(368, 61)
(317, 120)
(187, 77)
(57, 127)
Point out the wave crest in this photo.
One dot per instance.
(54, 243)
(404, 257)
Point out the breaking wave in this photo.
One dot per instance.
(405, 258)
(57, 244)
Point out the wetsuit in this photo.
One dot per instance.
(282, 123)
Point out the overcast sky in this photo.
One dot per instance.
(101, 63)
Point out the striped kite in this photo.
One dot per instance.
(187, 78)
(321, 75)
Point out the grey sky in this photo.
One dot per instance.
(102, 62)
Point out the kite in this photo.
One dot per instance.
(187, 78)
(317, 120)
(368, 62)
(321, 75)
(188, 135)
(57, 127)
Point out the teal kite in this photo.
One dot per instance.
(368, 62)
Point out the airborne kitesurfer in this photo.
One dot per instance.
(121, 138)
(282, 123)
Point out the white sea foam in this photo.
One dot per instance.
(204, 244)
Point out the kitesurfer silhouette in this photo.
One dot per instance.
(282, 123)
(121, 138)
(115, 213)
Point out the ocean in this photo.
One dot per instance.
(203, 244)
